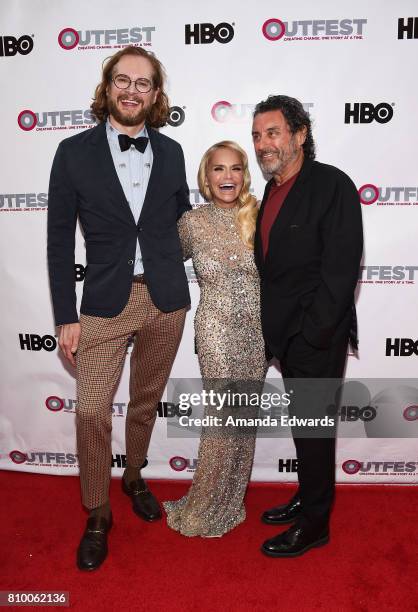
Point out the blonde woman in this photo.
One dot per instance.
(219, 238)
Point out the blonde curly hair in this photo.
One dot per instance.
(247, 203)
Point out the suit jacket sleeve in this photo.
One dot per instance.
(183, 202)
(342, 240)
(62, 219)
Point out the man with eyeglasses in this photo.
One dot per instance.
(126, 184)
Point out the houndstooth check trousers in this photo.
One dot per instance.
(100, 357)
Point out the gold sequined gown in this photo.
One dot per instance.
(230, 346)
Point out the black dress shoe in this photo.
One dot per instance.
(294, 542)
(280, 515)
(92, 550)
(144, 503)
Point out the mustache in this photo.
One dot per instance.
(128, 97)
(264, 151)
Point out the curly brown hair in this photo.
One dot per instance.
(161, 108)
(296, 117)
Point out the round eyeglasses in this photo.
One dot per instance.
(122, 81)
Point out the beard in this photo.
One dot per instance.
(281, 159)
(128, 119)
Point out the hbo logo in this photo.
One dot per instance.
(205, 33)
(9, 45)
(33, 342)
(366, 113)
(353, 413)
(80, 272)
(401, 347)
(176, 116)
(171, 410)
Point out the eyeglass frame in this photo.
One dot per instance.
(130, 83)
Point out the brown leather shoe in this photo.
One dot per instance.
(92, 550)
(144, 504)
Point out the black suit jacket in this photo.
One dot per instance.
(84, 184)
(311, 268)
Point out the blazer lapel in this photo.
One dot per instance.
(104, 160)
(290, 205)
(155, 183)
(258, 247)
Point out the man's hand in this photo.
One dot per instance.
(68, 340)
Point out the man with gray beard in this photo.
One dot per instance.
(308, 247)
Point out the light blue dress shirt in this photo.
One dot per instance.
(133, 169)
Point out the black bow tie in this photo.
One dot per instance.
(126, 141)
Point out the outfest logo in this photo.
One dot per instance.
(43, 121)
(313, 29)
(87, 40)
(179, 464)
(22, 202)
(197, 200)
(44, 458)
(388, 275)
(223, 111)
(410, 413)
(380, 468)
(68, 405)
(388, 196)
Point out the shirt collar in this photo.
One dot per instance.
(113, 133)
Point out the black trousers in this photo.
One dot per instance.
(315, 454)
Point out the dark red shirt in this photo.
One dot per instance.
(276, 197)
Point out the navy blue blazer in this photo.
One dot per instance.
(84, 184)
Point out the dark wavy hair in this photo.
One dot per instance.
(295, 115)
(159, 111)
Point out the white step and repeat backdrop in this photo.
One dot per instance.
(354, 67)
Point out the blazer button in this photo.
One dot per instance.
(131, 262)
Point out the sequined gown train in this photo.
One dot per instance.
(230, 346)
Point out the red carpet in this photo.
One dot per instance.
(369, 564)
